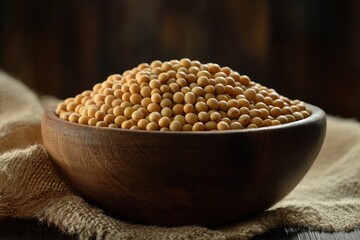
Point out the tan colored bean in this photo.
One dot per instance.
(180, 95)
(175, 126)
(198, 126)
(221, 126)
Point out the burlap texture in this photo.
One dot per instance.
(328, 198)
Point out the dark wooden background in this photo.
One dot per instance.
(304, 49)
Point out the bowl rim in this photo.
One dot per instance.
(316, 115)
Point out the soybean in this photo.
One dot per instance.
(180, 95)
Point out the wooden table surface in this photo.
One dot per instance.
(14, 229)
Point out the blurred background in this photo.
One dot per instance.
(308, 50)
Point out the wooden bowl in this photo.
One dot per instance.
(183, 178)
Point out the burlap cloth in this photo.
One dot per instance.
(328, 198)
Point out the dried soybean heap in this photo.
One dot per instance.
(180, 95)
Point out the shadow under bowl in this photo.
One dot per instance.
(183, 178)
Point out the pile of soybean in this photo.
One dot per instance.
(180, 95)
